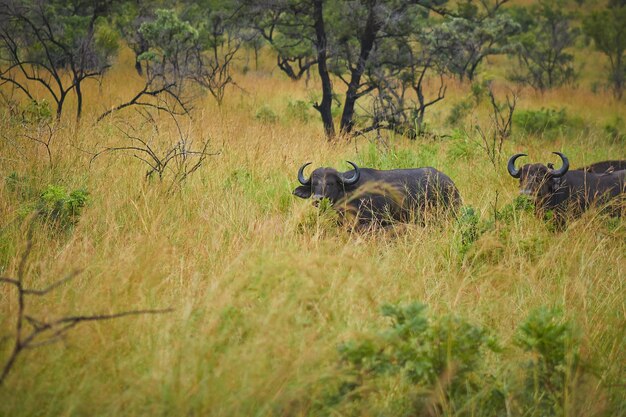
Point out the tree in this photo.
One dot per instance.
(407, 61)
(220, 36)
(298, 31)
(542, 47)
(467, 41)
(169, 64)
(41, 41)
(129, 17)
(607, 28)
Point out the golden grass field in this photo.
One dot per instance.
(264, 288)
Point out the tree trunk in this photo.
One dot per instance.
(79, 100)
(327, 88)
(60, 103)
(367, 43)
(138, 67)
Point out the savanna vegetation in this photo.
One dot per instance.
(153, 260)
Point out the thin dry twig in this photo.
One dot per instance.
(42, 332)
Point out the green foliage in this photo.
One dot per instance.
(298, 110)
(447, 354)
(550, 339)
(169, 37)
(462, 147)
(615, 130)
(545, 122)
(542, 46)
(266, 115)
(421, 351)
(467, 225)
(521, 204)
(389, 158)
(37, 112)
(607, 28)
(472, 38)
(459, 112)
(59, 207)
(323, 218)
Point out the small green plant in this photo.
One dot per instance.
(298, 110)
(266, 115)
(615, 130)
(419, 350)
(459, 112)
(467, 224)
(60, 207)
(37, 112)
(547, 122)
(521, 204)
(462, 147)
(550, 339)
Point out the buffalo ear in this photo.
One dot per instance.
(303, 191)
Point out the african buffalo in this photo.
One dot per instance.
(566, 191)
(381, 197)
(604, 167)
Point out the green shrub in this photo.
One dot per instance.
(521, 204)
(266, 115)
(420, 351)
(615, 130)
(543, 122)
(550, 340)
(459, 112)
(467, 224)
(462, 147)
(37, 112)
(59, 207)
(298, 110)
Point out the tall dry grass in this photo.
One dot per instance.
(264, 288)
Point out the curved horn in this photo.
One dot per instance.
(355, 177)
(301, 178)
(515, 173)
(561, 171)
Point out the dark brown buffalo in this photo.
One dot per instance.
(604, 167)
(566, 191)
(381, 197)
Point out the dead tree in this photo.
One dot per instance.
(175, 160)
(33, 332)
(501, 118)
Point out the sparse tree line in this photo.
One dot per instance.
(386, 53)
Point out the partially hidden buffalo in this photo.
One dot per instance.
(604, 167)
(377, 197)
(567, 192)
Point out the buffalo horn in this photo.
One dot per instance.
(561, 171)
(301, 178)
(515, 173)
(355, 177)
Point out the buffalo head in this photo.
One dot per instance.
(326, 183)
(536, 180)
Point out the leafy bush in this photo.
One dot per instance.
(467, 224)
(420, 351)
(614, 130)
(521, 204)
(59, 207)
(462, 147)
(298, 110)
(549, 338)
(37, 112)
(544, 121)
(266, 115)
(459, 112)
